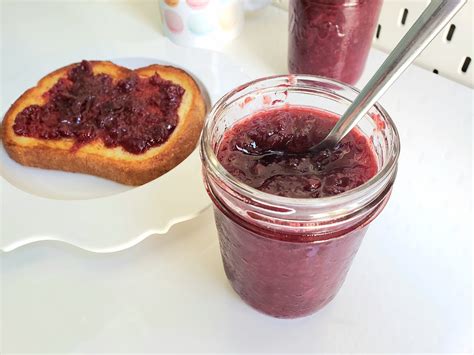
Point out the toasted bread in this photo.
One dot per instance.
(94, 157)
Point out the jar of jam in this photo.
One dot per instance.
(331, 38)
(290, 223)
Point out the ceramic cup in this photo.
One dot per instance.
(204, 23)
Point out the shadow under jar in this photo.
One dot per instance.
(288, 257)
(331, 38)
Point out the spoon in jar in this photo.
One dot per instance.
(433, 19)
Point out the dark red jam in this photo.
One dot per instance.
(246, 152)
(134, 113)
(288, 272)
(284, 280)
(331, 38)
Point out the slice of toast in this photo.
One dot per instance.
(94, 157)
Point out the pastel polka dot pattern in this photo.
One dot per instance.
(199, 24)
(173, 21)
(197, 4)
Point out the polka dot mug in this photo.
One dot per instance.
(204, 23)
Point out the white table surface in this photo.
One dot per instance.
(409, 289)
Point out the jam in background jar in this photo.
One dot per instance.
(331, 38)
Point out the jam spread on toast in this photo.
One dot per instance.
(134, 113)
(246, 152)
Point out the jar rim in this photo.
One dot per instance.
(376, 183)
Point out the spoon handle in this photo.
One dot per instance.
(427, 26)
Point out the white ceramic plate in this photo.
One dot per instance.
(97, 214)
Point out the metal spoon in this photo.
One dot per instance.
(427, 26)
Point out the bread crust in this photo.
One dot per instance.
(96, 159)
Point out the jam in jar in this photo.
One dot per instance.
(290, 221)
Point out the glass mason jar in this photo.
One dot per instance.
(331, 38)
(288, 257)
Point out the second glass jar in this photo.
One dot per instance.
(331, 38)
